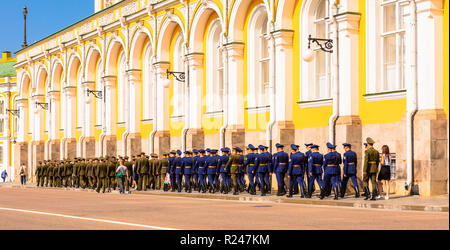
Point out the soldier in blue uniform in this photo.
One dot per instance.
(171, 170)
(307, 154)
(268, 175)
(250, 166)
(188, 164)
(194, 170)
(221, 166)
(201, 171)
(315, 171)
(211, 165)
(241, 174)
(178, 164)
(262, 167)
(296, 171)
(280, 167)
(331, 166)
(350, 168)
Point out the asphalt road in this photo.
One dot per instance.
(25, 208)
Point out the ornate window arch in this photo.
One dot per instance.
(316, 75)
(258, 59)
(214, 69)
(178, 65)
(147, 82)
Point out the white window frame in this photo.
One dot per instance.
(376, 84)
(311, 93)
(178, 87)
(214, 69)
(257, 92)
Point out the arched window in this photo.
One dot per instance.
(214, 69)
(99, 87)
(121, 81)
(178, 87)
(147, 84)
(258, 59)
(316, 75)
(80, 100)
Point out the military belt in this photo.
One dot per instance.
(296, 166)
(178, 167)
(251, 164)
(236, 165)
(282, 163)
(211, 166)
(201, 167)
(351, 163)
(372, 162)
(263, 164)
(188, 167)
(317, 164)
(331, 165)
(164, 167)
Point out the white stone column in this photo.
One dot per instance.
(39, 114)
(54, 144)
(70, 94)
(7, 160)
(110, 83)
(22, 106)
(162, 96)
(89, 110)
(195, 136)
(135, 102)
(235, 133)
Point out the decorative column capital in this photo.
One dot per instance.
(161, 68)
(70, 91)
(431, 8)
(348, 22)
(22, 103)
(195, 60)
(54, 95)
(235, 50)
(283, 37)
(109, 81)
(134, 75)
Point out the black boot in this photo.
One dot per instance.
(295, 191)
(235, 191)
(225, 191)
(343, 191)
(279, 191)
(374, 194)
(283, 191)
(322, 193)
(252, 189)
(303, 191)
(356, 192)
(336, 193)
(291, 192)
(263, 190)
(367, 193)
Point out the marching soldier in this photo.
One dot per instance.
(37, 173)
(211, 165)
(171, 170)
(178, 164)
(76, 182)
(144, 170)
(129, 180)
(307, 154)
(194, 170)
(155, 172)
(371, 163)
(62, 174)
(50, 173)
(350, 168)
(201, 171)
(68, 174)
(102, 175)
(232, 167)
(262, 167)
(280, 163)
(250, 166)
(315, 171)
(331, 166)
(296, 171)
(163, 165)
(188, 163)
(82, 173)
(222, 170)
(111, 173)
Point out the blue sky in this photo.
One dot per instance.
(44, 18)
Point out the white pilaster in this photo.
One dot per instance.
(135, 102)
(54, 97)
(195, 61)
(89, 109)
(235, 79)
(430, 58)
(70, 128)
(110, 83)
(39, 117)
(162, 97)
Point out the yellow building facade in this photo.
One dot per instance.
(242, 73)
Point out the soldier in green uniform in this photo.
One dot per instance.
(162, 167)
(152, 171)
(62, 174)
(111, 173)
(143, 167)
(370, 169)
(69, 173)
(232, 167)
(82, 173)
(157, 172)
(89, 174)
(37, 173)
(101, 173)
(76, 183)
(44, 180)
(51, 174)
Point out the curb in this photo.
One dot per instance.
(275, 199)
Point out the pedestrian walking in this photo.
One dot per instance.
(23, 176)
(122, 175)
(385, 172)
(4, 175)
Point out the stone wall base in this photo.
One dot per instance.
(430, 152)
(70, 148)
(161, 142)
(195, 139)
(235, 137)
(110, 145)
(54, 147)
(88, 147)
(37, 155)
(134, 144)
(349, 130)
(283, 132)
(20, 158)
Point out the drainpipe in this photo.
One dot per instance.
(270, 125)
(335, 88)
(225, 95)
(412, 102)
